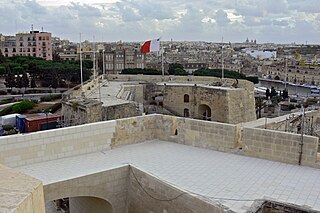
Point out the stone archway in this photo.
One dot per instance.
(89, 204)
(80, 204)
(204, 112)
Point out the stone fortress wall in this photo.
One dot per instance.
(19, 150)
(36, 147)
(227, 101)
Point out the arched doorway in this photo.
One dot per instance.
(81, 204)
(204, 112)
(186, 112)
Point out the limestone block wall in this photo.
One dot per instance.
(20, 193)
(120, 111)
(241, 106)
(18, 150)
(89, 204)
(81, 111)
(279, 146)
(203, 134)
(110, 185)
(135, 130)
(140, 202)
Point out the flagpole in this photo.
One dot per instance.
(94, 59)
(81, 63)
(162, 66)
(222, 62)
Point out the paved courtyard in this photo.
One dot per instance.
(233, 180)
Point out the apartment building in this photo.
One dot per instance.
(35, 44)
(117, 60)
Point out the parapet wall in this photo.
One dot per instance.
(198, 133)
(279, 146)
(31, 148)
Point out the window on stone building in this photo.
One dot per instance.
(186, 98)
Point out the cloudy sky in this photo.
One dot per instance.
(280, 21)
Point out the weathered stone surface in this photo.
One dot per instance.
(20, 193)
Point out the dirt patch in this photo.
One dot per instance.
(40, 107)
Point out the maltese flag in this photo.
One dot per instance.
(151, 46)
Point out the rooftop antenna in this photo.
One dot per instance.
(31, 27)
(42, 29)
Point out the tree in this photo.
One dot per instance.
(173, 67)
(9, 80)
(285, 94)
(2, 70)
(33, 83)
(180, 71)
(260, 104)
(55, 83)
(18, 82)
(2, 58)
(25, 80)
(267, 93)
(273, 92)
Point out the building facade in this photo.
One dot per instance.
(34, 44)
(118, 60)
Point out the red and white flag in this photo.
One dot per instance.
(151, 46)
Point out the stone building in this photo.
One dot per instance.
(213, 103)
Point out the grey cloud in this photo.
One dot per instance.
(309, 6)
(221, 17)
(265, 20)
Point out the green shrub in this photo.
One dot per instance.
(50, 97)
(10, 132)
(6, 111)
(253, 79)
(6, 101)
(7, 127)
(22, 106)
(136, 71)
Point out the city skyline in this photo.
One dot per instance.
(275, 21)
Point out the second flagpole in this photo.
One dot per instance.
(162, 66)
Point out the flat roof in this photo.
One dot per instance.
(198, 85)
(231, 179)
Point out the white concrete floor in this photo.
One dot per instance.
(215, 175)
